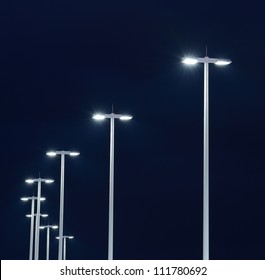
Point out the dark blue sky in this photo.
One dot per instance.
(61, 61)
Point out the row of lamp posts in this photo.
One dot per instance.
(62, 238)
(99, 117)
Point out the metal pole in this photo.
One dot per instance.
(31, 229)
(206, 163)
(48, 243)
(111, 189)
(37, 227)
(64, 248)
(60, 249)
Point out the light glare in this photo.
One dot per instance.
(222, 62)
(51, 154)
(29, 181)
(190, 61)
(99, 117)
(74, 154)
(125, 118)
(49, 181)
(24, 199)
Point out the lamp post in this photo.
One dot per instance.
(64, 237)
(37, 224)
(112, 117)
(206, 61)
(48, 227)
(32, 198)
(62, 154)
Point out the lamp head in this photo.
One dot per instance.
(74, 154)
(98, 117)
(190, 60)
(51, 154)
(125, 118)
(29, 181)
(223, 62)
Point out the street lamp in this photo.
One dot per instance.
(64, 237)
(206, 61)
(62, 154)
(37, 224)
(32, 198)
(48, 227)
(112, 117)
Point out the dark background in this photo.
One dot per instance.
(61, 61)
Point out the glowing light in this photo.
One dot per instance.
(222, 62)
(24, 198)
(74, 154)
(54, 227)
(125, 118)
(42, 227)
(190, 61)
(99, 117)
(29, 181)
(49, 181)
(51, 154)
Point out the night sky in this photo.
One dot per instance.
(61, 61)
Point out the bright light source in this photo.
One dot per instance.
(42, 198)
(125, 118)
(44, 215)
(51, 154)
(24, 198)
(99, 117)
(54, 227)
(49, 181)
(70, 237)
(190, 61)
(29, 181)
(74, 154)
(222, 62)
(28, 216)
(42, 227)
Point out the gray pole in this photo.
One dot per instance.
(31, 229)
(206, 164)
(37, 226)
(48, 243)
(60, 249)
(111, 189)
(64, 248)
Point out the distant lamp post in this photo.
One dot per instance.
(32, 198)
(37, 224)
(62, 154)
(48, 227)
(206, 61)
(64, 244)
(112, 117)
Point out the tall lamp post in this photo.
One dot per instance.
(37, 224)
(64, 244)
(112, 117)
(62, 154)
(206, 61)
(32, 198)
(48, 227)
